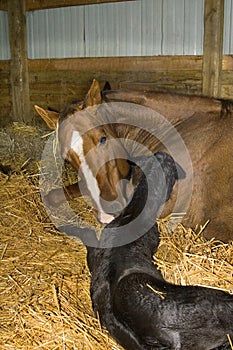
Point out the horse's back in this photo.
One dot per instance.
(205, 126)
(174, 107)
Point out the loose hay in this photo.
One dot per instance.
(20, 147)
(44, 287)
(185, 257)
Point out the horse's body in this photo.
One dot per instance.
(204, 124)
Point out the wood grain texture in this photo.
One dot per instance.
(31, 5)
(137, 63)
(19, 63)
(54, 83)
(213, 47)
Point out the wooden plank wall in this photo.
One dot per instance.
(55, 82)
(227, 77)
(31, 5)
(5, 94)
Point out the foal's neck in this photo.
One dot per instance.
(114, 261)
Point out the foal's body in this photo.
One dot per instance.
(137, 306)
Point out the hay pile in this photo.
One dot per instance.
(21, 146)
(44, 286)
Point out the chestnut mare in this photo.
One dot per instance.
(204, 124)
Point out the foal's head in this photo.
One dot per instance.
(91, 147)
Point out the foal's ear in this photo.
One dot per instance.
(93, 97)
(50, 117)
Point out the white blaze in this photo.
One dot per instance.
(92, 184)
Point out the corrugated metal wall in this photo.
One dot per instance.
(56, 32)
(133, 28)
(228, 28)
(4, 36)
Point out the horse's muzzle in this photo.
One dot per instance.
(105, 218)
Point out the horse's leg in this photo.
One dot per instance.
(56, 197)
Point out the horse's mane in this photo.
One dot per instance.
(70, 109)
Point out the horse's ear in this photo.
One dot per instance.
(50, 117)
(93, 97)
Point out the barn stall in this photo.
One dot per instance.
(50, 53)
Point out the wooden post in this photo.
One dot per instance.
(213, 47)
(19, 64)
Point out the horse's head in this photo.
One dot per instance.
(87, 144)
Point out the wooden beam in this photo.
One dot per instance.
(213, 47)
(3, 5)
(32, 5)
(4, 65)
(45, 4)
(227, 62)
(124, 64)
(19, 64)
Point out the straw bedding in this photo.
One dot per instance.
(44, 285)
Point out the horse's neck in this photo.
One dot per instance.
(140, 129)
(136, 140)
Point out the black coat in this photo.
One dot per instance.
(137, 306)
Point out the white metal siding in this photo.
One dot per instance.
(4, 36)
(133, 28)
(119, 29)
(56, 33)
(228, 28)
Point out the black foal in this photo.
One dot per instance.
(136, 305)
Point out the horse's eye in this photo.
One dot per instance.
(103, 139)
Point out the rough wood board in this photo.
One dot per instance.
(119, 63)
(55, 89)
(4, 66)
(159, 63)
(227, 77)
(5, 99)
(3, 5)
(169, 87)
(82, 78)
(227, 91)
(19, 63)
(227, 62)
(213, 46)
(45, 4)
